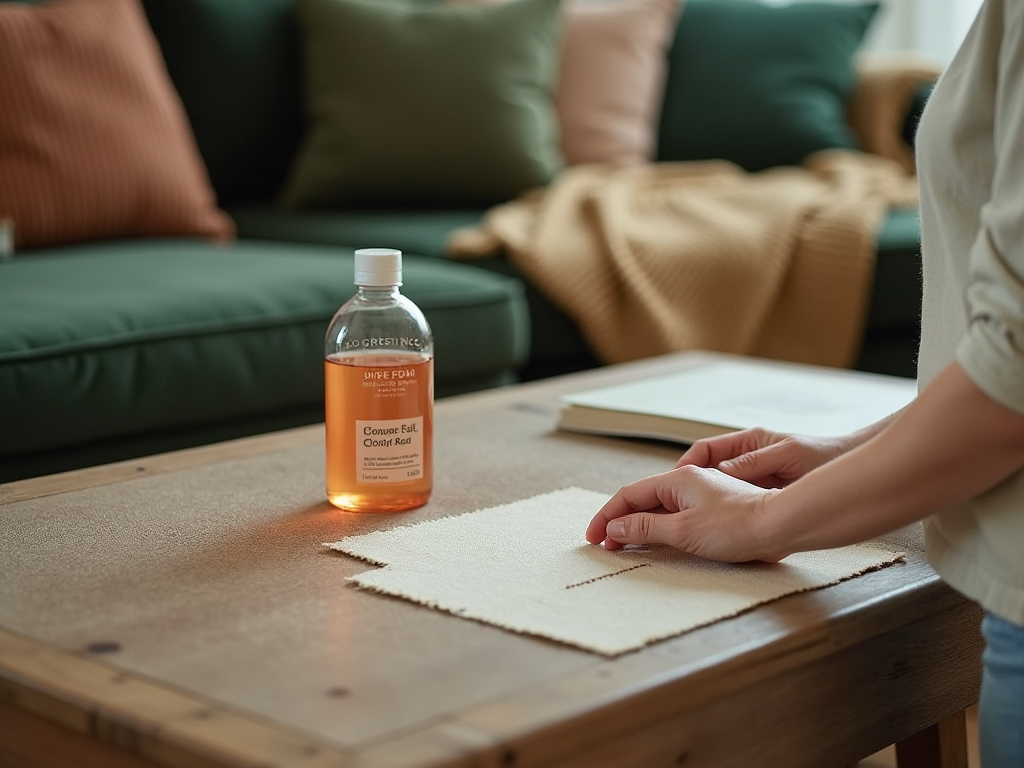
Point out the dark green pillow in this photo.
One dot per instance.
(424, 104)
(760, 85)
(237, 66)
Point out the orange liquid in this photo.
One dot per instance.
(379, 412)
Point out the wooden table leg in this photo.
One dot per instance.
(943, 745)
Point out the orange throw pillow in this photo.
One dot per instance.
(94, 141)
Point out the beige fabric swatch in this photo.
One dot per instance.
(525, 567)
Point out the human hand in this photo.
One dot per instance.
(762, 457)
(697, 510)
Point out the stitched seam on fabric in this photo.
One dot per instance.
(607, 576)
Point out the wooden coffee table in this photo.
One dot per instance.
(180, 611)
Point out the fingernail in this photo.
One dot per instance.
(616, 529)
(726, 464)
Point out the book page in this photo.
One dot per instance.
(740, 394)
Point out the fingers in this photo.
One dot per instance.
(698, 454)
(646, 495)
(642, 528)
(711, 451)
(756, 465)
(700, 511)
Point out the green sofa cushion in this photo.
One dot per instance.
(418, 231)
(896, 296)
(123, 338)
(760, 85)
(426, 103)
(237, 67)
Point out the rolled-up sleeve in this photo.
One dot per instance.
(992, 352)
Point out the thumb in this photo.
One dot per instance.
(640, 528)
(756, 465)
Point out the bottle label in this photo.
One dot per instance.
(389, 451)
(409, 343)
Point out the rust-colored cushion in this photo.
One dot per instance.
(94, 141)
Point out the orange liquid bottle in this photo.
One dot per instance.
(379, 394)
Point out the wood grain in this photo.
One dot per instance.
(27, 741)
(943, 745)
(812, 702)
(99, 709)
(173, 461)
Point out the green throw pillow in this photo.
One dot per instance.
(425, 104)
(760, 85)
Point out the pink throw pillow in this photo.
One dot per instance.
(613, 67)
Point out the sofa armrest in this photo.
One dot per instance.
(887, 100)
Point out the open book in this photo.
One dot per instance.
(728, 393)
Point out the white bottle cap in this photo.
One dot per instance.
(378, 267)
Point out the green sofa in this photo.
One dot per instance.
(112, 350)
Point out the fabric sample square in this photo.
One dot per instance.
(525, 567)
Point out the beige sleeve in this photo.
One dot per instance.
(992, 352)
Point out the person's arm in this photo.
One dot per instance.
(952, 443)
(965, 432)
(773, 459)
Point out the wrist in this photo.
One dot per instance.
(769, 532)
(841, 445)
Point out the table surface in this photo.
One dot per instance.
(181, 609)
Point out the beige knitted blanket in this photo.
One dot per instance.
(675, 256)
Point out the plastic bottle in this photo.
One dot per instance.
(379, 393)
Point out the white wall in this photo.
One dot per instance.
(933, 28)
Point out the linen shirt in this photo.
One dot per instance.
(970, 152)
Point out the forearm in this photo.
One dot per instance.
(951, 444)
(861, 436)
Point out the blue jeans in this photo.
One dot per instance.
(1001, 710)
